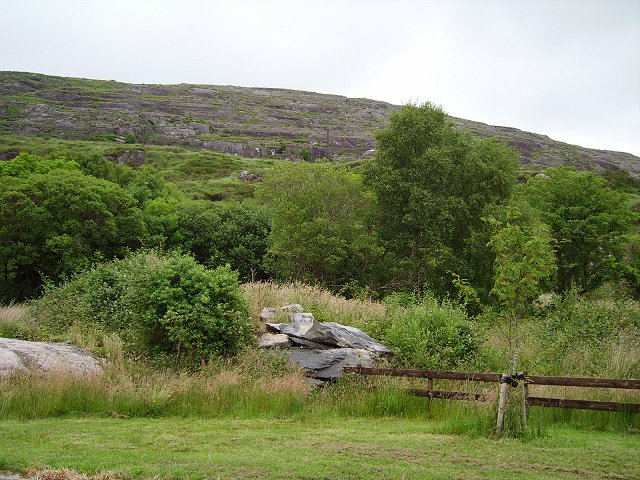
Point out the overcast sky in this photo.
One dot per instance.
(569, 69)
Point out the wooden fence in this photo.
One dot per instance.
(526, 380)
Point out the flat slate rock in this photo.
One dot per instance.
(328, 364)
(305, 327)
(43, 357)
(274, 340)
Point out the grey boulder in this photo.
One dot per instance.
(328, 364)
(129, 157)
(305, 327)
(249, 177)
(269, 313)
(271, 340)
(44, 357)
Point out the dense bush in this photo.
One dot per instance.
(25, 164)
(56, 223)
(431, 334)
(158, 304)
(320, 226)
(183, 307)
(142, 183)
(215, 234)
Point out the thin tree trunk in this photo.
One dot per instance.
(502, 405)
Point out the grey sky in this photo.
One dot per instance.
(568, 69)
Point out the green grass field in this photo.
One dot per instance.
(309, 448)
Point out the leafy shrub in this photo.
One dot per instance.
(219, 234)
(57, 223)
(183, 307)
(25, 164)
(305, 153)
(158, 304)
(431, 334)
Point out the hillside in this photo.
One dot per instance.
(250, 122)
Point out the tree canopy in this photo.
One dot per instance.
(588, 221)
(320, 229)
(432, 183)
(55, 223)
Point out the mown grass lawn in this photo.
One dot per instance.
(309, 448)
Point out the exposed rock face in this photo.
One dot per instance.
(252, 122)
(129, 157)
(43, 357)
(270, 340)
(321, 348)
(10, 155)
(249, 177)
(328, 364)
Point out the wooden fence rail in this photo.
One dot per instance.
(436, 374)
(495, 377)
(583, 404)
(529, 381)
(583, 382)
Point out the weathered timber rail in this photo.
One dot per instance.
(436, 374)
(583, 382)
(528, 381)
(583, 404)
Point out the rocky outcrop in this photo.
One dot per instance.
(329, 334)
(328, 364)
(252, 122)
(269, 340)
(45, 357)
(129, 157)
(248, 177)
(321, 348)
(9, 155)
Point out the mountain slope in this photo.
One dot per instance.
(252, 122)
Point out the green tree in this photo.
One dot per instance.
(233, 234)
(320, 230)
(56, 223)
(524, 258)
(432, 183)
(588, 221)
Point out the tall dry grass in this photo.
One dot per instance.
(15, 322)
(324, 305)
(255, 384)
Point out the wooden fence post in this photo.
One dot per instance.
(525, 405)
(502, 404)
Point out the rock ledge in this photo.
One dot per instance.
(45, 357)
